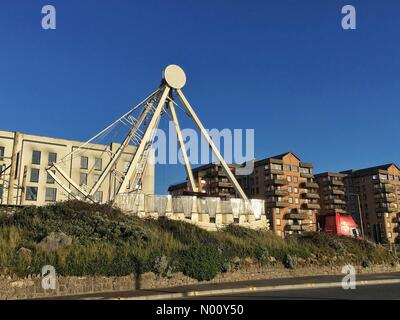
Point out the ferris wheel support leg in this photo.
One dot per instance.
(183, 148)
(142, 145)
(66, 189)
(211, 144)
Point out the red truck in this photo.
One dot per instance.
(339, 224)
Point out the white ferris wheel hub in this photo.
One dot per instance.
(175, 76)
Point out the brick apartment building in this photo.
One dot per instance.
(376, 192)
(289, 188)
(332, 193)
(210, 179)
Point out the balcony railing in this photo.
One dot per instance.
(384, 188)
(309, 185)
(337, 191)
(277, 204)
(297, 227)
(296, 216)
(276, 181)
(311, 206)
(281, 193)
(310, 195)
(306, 175)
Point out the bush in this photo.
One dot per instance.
(261, 253)
(201, 262)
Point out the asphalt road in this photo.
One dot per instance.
(375, 292)
(370, 286)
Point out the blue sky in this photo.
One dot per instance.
(285, 68)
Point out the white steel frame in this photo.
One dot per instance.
(172, 84)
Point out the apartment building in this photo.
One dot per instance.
(25, 181)
(375, 192)
(332, 193)
(289, 188)
(210, 179)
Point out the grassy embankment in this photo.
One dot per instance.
(106, 242)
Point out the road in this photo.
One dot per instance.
(372, 286)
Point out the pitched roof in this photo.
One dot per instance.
(370, 170)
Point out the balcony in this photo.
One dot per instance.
(296, 227)
(296, 216)
(277, 204)
(280, 193)
(335, 209)
(384, 188)
(293, 227)
(309, 185)
(310, 195)
(306, 175)
(222, 184)
(273, 171)
(311, 206)
(336, 201)
(337, 192)
(280, 182)
(385, 198)
(379, 180)
(386, 209)
(337, 183)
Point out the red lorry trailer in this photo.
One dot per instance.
(339, 224)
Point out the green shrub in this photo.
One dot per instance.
(201, 262)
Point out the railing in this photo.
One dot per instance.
(165, 205)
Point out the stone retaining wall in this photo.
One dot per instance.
(14, 288)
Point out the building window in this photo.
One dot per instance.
(290, 200)
(290, 189)
(98, 164)
(389, 234)
(296, 200)
(50, 179)
(275, 166)
(52, 158)
(34, 175)
(31, 193)
(98, 196)
(1, 193)
(83, 179)
(289, 178)
(296, 190)
(1, 153)
(96, 178)
(278, 222)
(36, 157)
(295, 179)
(51, 194)
(84, 162)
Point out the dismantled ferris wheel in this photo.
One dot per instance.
(140, 124)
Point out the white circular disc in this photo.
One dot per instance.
(175, 76)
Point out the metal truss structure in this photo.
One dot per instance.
(141, 134)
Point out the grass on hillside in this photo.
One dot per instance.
(107, 242)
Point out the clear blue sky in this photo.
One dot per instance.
(285, 68)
